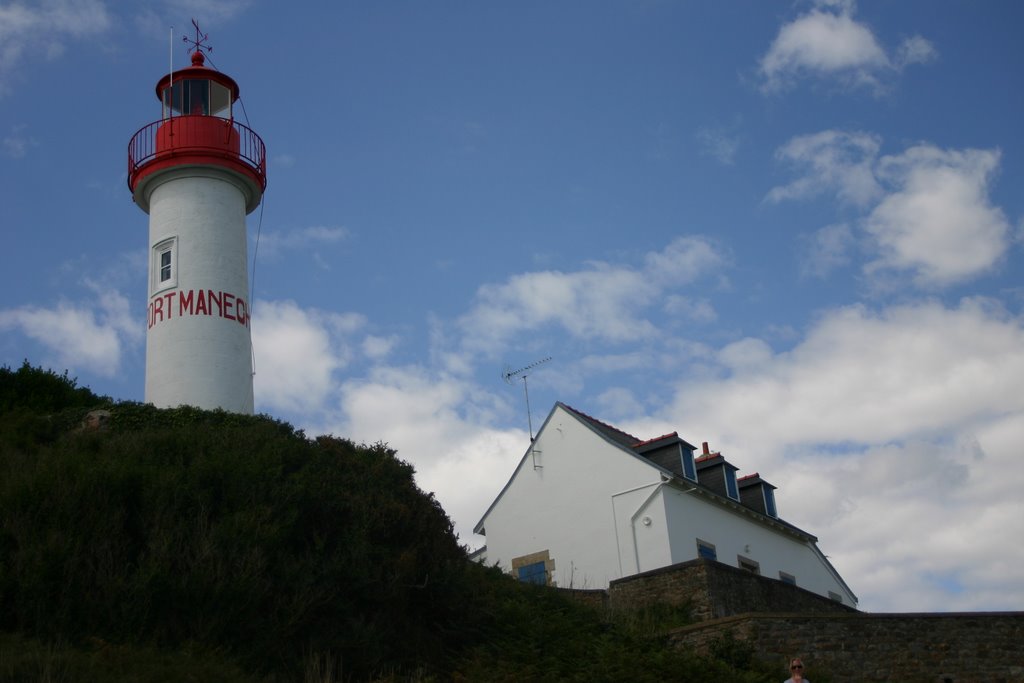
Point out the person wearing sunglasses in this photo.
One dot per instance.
(796, 672)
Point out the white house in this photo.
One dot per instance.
(589, 503)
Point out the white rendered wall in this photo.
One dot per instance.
(567, 506)
(690, 516)
(199, 353)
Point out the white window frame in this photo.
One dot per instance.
(167, 246)
(732, 487)
(749, 565)
(686, 455)
(710, 546)
(769, 502)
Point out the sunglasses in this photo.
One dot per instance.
(796, 666)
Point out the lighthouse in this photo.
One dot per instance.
(198, 173)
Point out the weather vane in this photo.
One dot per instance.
(198, 44)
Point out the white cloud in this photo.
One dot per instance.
(696, 309)
(893, 436)
(599, 302)
(909, 520)
(376, 348)
(683, 261)
(915, 50)
(618, 402)
(443, 426)
(931, 216)
(603, 301)
(938, 221)
(617, 362)
(827, 42)
(826, 250)
(296, 353)
(719, 145)
(82, 336)
(836, 161)
(746, 354)
(271, 244)
(17, 143)
(872, 377)
(41, 29)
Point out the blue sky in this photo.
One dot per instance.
(791, 229)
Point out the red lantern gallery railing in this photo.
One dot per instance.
(197, 137)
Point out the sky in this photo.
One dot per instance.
(793, 230)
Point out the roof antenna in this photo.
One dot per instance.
(509, 375)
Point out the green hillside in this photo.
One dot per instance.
(174, 545)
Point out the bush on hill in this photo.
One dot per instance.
(219, 542)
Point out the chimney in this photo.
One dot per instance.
(705, 447)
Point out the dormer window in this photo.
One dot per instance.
(730, 484)
(758, 494)
(769, 502)
(671, 453)
(715, 472)
(689, 468)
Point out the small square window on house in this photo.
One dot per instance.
(706, 550)
(165, 264)
(835, 596)
(748, 564)
(787, 578)
(534, 573)
(535, 568)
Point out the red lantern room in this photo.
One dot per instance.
(197, 128)
(197, 91)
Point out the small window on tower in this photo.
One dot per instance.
(165, 267)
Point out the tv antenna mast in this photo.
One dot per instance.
(510, 375)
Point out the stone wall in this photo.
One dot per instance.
(777, 621)
(938, 647)
(714, 590)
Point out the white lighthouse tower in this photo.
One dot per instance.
(197, 172)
